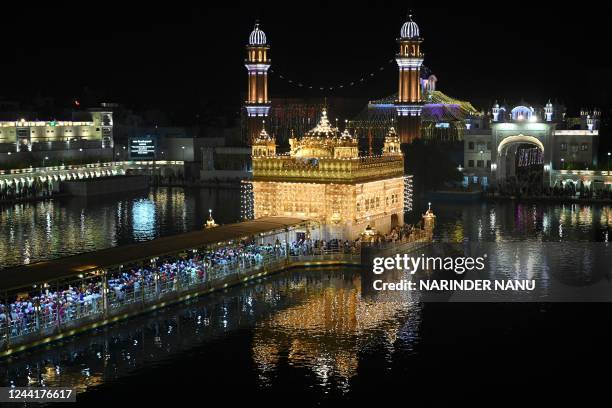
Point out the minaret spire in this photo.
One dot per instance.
(257, 63)
(409, 97)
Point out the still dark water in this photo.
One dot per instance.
(51, 229)
(32, 232)
(313, 337)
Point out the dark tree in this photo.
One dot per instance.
(430, 165)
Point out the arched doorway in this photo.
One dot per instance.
(520, 165)
(394, 221)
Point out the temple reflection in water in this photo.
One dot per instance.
(327, 332)
(318, 319)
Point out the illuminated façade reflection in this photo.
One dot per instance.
(327, 332)
(317, 318)
(516, 221)
(31, 232)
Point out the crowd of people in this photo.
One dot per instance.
(309, 246)
(50, 306)
(30, 313)
(196, 267)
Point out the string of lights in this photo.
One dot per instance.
(360, 80)
(529, 157)
(247, 204)
(408, 193)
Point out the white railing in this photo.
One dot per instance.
(154, 289)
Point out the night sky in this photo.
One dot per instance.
(190, 61)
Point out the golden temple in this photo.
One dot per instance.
(324, 178)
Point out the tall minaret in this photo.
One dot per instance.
(257, 63)
(548, 111)
(409, 100)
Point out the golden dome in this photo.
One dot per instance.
(324, 129)
(392, 135)
(346, 136)
(324, 140)
(263, 137)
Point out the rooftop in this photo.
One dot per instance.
(437, 107)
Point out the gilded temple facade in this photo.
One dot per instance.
(323, 178)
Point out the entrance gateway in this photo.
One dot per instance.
(527, 150)
(512, 144)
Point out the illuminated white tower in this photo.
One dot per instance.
(257, 64)
(409, 99)
(596, 117)
(495, 111)
(590, 119)
(548, 111)
(589, 122)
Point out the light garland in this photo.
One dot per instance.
(530, 156)
(408, 193)
(247, 202)
(363, 79)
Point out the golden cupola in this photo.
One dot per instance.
(392, 143)
(324, 141)
(264, 145)
(347, 146)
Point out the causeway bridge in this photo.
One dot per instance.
(47, 301)
(89, 281)
(17, 179)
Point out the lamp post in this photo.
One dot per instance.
(562, 163)
(116, 154)
(45, 160)
(481, 176)
(184, 167)
(609, 154)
